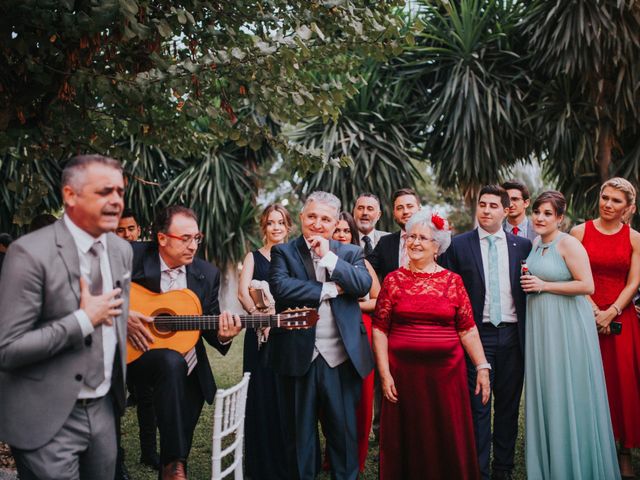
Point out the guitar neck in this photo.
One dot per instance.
(211, 322)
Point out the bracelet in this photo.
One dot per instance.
(617, 308)
(483, 366)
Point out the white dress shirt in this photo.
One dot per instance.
(176, 279)
(523, 228)
(328, 342)
(506, 298)
(84, 241)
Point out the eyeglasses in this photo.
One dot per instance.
(413, 238)
(187, 239)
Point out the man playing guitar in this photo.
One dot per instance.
(180, 383)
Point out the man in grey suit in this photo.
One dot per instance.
(366, 213)
(517, 222)
(64, 296)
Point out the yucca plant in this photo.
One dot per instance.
(221, 188)
(470, 85)
(371, 134)
(586, 62)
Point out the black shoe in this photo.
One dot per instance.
(121, 471)
(151, 460)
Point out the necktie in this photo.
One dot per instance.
(321, 273)
(515, 230)
(404, 259)
(190, 357)
(173, 274)
(495, 309)
(95, 372)
(368, 248)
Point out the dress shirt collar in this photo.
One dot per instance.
(482, 233)
(84, 241)
(522, 226)
(165, 268)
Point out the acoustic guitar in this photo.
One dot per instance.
(178, 319)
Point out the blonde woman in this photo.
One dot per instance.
(614, 254)
(264, 437)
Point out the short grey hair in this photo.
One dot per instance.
(75, 168)
(326, 198)
(423, 218)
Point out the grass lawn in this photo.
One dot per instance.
(227, 371)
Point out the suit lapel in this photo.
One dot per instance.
(194, 280)
(514, 274)
(305, 256)
(476, 253)
(151, 265)
(69, 252)
(115, 260)
(395, 254)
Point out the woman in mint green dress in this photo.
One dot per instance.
(568, 427)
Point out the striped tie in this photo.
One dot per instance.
(190, 357)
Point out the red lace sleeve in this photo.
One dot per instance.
(464, 312)
(385, 303)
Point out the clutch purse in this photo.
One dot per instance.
(259, 298)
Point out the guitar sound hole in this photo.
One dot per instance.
(160, 330)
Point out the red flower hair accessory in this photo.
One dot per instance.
(438, 221)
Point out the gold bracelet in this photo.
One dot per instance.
(617, 308)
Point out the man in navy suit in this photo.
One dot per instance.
(320, 369)
(488, 260)
(180, 383)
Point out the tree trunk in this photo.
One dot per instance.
(605, 145)
(470, 200)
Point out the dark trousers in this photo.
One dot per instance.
(177, 399)
(143, 395)
(146, 420)
(503, 352)
(336, 392)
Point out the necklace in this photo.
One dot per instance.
(414, 269)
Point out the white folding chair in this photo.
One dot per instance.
(228, 419)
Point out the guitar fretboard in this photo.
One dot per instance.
(211, 322)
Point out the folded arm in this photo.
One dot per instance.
(353, 277)
(290, 290)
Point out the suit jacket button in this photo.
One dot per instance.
(78, 377)
(88, 340)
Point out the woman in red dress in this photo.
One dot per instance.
(422, 323)
(614, 254)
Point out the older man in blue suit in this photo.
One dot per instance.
(488, 260)
(321, 368)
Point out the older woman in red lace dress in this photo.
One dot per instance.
(423, 324)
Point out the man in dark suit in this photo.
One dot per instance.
(320, 368)
(488, 260)
(366, 213)
(180, 383)
(390, 252)
(64, 297)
